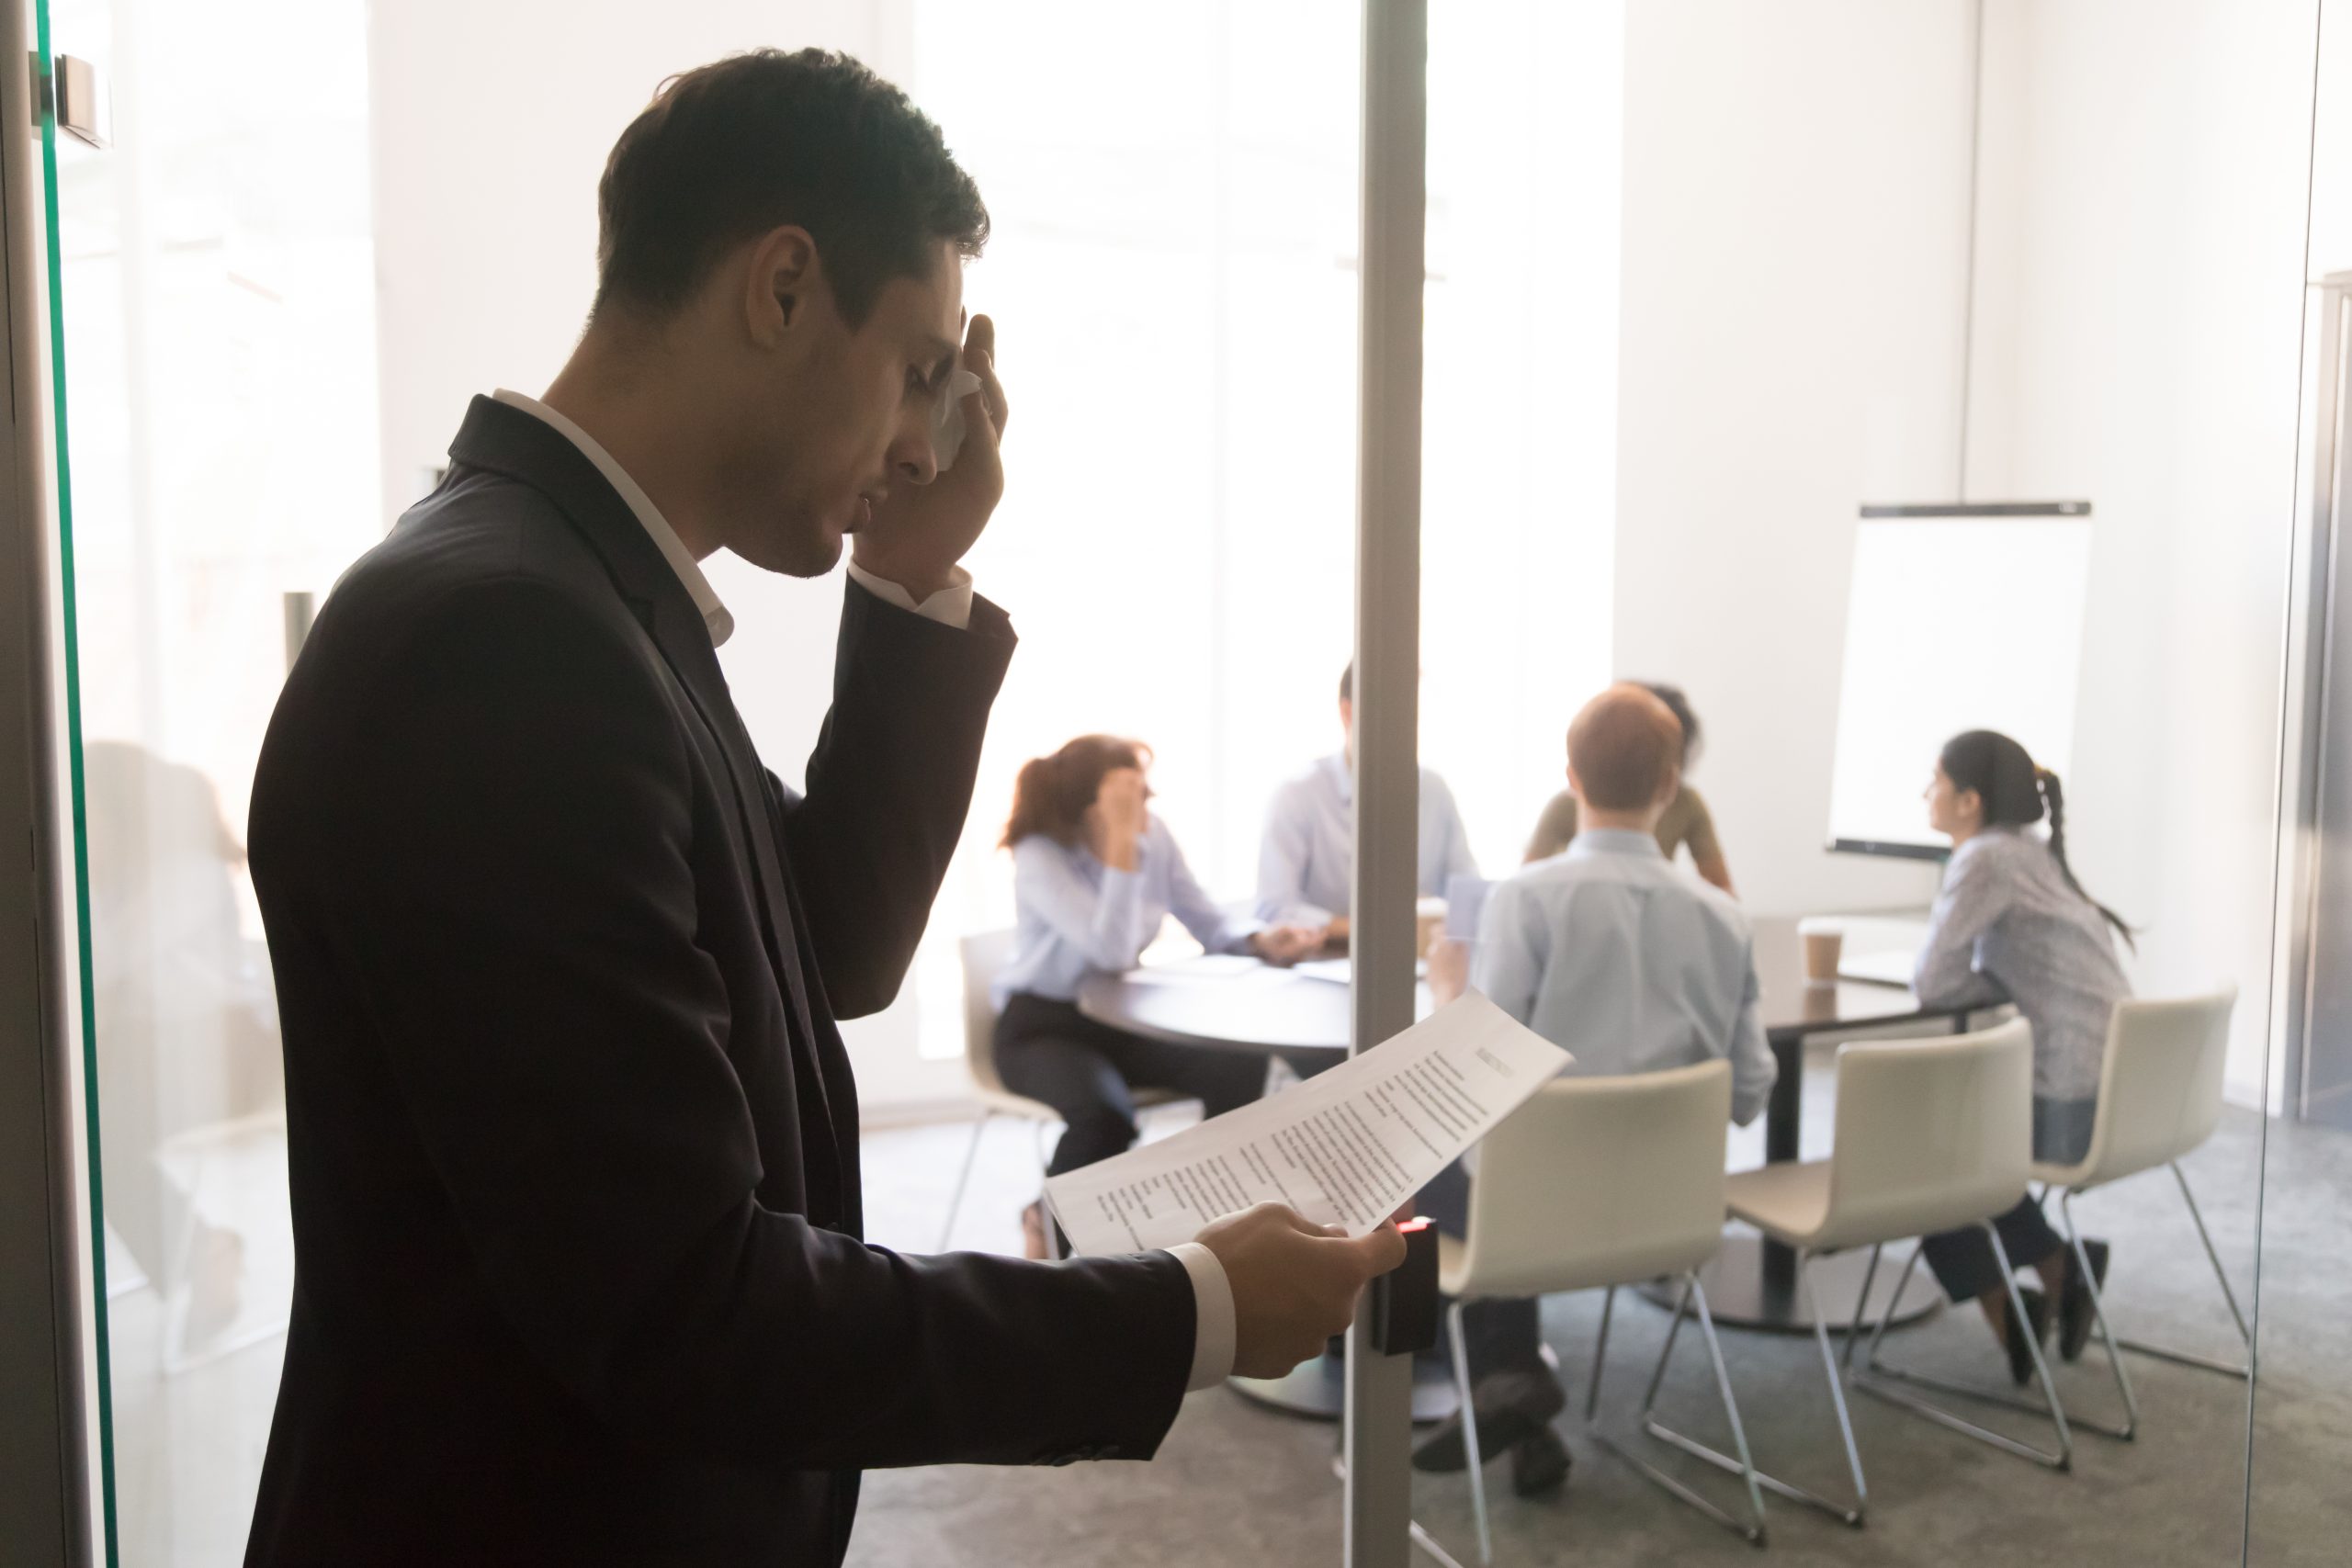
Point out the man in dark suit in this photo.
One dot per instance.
(574, 1139)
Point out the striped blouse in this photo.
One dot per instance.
(2007, 921)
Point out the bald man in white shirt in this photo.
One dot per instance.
(1631, 964)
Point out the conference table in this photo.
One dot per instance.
(1238, 1004)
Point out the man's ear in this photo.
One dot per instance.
(1576, 785)
(1672, 787)
(782, 279)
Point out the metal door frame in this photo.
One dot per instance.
(1378, 1415)
(45, 1514)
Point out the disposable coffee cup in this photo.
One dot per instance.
(1824, 944)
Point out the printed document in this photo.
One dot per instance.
(1345, 1148)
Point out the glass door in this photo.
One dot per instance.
(212, 286)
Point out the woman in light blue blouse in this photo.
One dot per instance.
(1094, 874)
(2012, 923)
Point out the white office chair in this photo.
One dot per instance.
(1593, 1183)
(1932, 1134)
(2159, 1097)
(984, 953)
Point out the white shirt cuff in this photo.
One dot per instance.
(951, 606)
(1213, 1331)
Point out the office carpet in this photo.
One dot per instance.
(1237, 1483)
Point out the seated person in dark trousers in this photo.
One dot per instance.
(1094, 877)
(2011, 922)
(1632, 965)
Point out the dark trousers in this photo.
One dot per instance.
(1088, 1073)
(1500, 1333)
(1964, 1261)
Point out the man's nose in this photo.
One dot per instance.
(917, 462)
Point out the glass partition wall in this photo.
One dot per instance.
(1954, 355)
(1704, 280)
(2302, 1407)
(213, 278)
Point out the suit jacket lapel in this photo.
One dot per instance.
(509, 441)
(684, 639)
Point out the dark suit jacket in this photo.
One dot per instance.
(574, 1139)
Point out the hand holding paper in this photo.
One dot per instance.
(1295, 1283)
(1344, 1148)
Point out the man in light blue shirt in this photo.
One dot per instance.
(1306, 861)
(1632, 965)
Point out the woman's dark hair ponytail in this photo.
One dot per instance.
(2017, 794)
(2054, 795)
(1052, 793)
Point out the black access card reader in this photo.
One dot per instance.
(1403, 1302)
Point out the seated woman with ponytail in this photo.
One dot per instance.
(1094, 874)
(2012, 921)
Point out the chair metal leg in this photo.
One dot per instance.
(1422, 1538)
(1751, 1528)
(1666, 1352)
(1878, 1330)
(1469, 1429)
(2186, 1357)
(1743, 1465)
(1428, 1543)
(1862, 1305)
(1755, 1530)
(964, 1179)
(2221, 1274)
(1599, 1350)
(2082, 1262)
(1837, 1384)
(1874, 1369)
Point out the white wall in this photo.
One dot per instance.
(1795, 188)
(2146, 201)
(488, 146)
(1795, 179)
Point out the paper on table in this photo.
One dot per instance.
(1338, 971)
(1342, 971)
(1345, 1148)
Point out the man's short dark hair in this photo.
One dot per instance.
(755, 141)
(1348, 683)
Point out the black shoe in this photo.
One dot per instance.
(2074, 1315)
(2037, 1312)
(1511, 1406)
(1539, 1467)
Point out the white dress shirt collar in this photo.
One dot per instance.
(1615, 842)
(715, 614)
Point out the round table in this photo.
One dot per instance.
(1225, 1004)
(1234, 1004)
